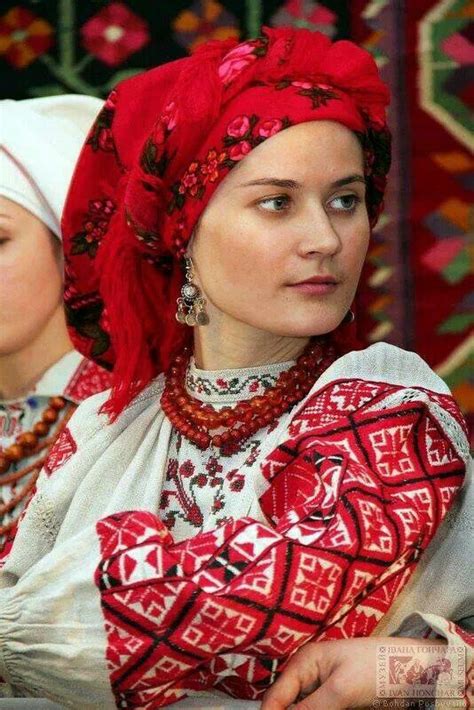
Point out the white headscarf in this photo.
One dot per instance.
(40, 141)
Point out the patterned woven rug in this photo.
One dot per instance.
(417, 288)
(419, 285)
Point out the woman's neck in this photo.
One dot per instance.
(21, 370)
(230, 344)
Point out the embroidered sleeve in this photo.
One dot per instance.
(39, 521)
(354, 497)
(62, 450)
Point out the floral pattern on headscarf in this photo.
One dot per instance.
(161, 146)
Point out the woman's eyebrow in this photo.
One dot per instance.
(277, 182)
(348, 180)
(294, 185)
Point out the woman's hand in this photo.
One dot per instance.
(333, 675)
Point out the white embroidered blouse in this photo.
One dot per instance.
(53, 641)
(72, 377)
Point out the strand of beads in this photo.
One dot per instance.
(26, 443)
(34, 469)
(227, 428)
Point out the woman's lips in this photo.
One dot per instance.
(316, 287)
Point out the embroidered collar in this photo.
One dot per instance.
(53, 382)
(227, 386)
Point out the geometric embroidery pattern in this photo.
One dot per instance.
(347, 526)
(61, 451)
(88, 379)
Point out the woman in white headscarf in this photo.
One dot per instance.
(42, 378)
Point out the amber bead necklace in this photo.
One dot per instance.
(26, 445)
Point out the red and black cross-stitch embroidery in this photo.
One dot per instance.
(180, 501)
(88, 379)
(61, 451)
(235, 386)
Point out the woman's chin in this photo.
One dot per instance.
(303, 330)
(295, 326)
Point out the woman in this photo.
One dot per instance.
(269, 490)
(42, 379)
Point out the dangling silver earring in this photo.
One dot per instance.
(191, 304)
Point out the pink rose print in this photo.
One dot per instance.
(270, 127)
(253, 387)
(239, 151)
(189, 183)
(238, 127)
(169, 116)
(236, 61)
(301, 84)
(93, 228)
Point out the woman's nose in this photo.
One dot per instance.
(318, 235)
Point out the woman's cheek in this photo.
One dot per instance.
(13, 274)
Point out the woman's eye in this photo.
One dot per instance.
(275, 204)
(345, 203)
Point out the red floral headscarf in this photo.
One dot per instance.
(155, 155)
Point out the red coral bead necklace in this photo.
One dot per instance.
(227, 428)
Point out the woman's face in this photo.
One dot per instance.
(30, 277)
(281, 244)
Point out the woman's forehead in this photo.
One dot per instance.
(299, 149)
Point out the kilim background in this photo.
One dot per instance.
(417, 289)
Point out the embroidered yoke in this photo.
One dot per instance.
(203, 489)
